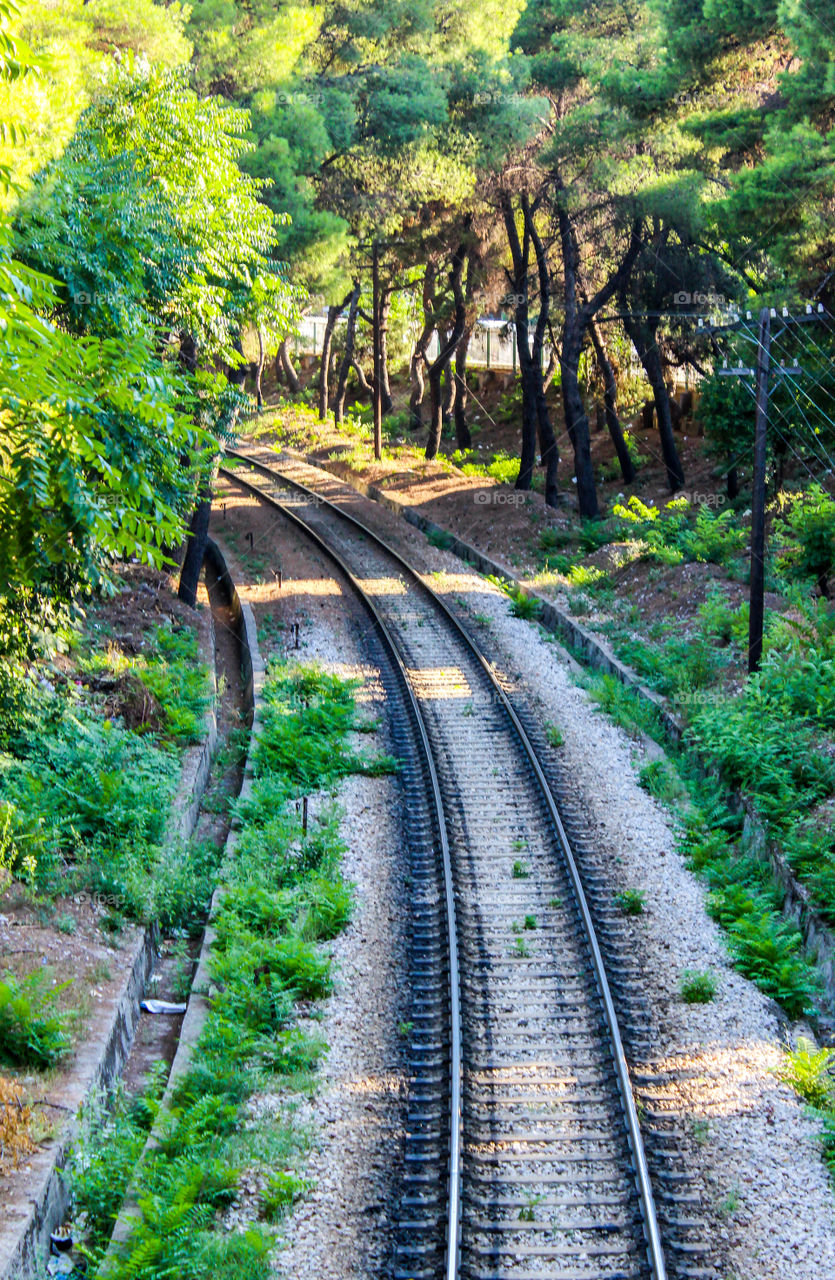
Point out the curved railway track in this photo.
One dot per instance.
(524, 1157)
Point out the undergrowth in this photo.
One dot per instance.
(87, 790)
(282, 897)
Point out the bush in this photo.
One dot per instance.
(33, 1031)
(698, 987)
(811, 525)
(809, 1072)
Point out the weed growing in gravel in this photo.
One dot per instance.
(530, 922)
(632, 902)
(282, 1190)
(701, 1131)
(521, 948)
(521, 871)
(554, 735)
(523, 605)
(440, 538)
(698, 986)
(528, 1211)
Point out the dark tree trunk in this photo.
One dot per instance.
(187, 356)
(334, 312)
(196, 542)
(348, 355)
(610, 399)
(259, 369)
(643, 335)
(448, 346)
(436, 410)
(418, 358)
(385, 385)
(450, 391)
(549, 452)
(648, 415)
(285, 361)
(577, 422)
(462, 428)
(733, 482)
(364, 383)
(520, 253)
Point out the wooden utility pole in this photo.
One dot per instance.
(378, 358)
(757, 589)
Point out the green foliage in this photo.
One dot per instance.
(523, 605)
(809, 1072)
(521, 871)
(281, 894)
(283, 1189)
(33, 1030)
(631, 902)
(810, 526)
(698, 986)
(671, 537)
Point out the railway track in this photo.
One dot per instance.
(524, 1156)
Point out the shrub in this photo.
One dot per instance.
(33, 1031)
(809, 1072)
(811, 524)
(631, 901)
(698, 986)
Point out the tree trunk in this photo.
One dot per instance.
(548, 449)
(733, 482)
(520, 252)
(365, 384)
(610, 397)
(348, 355)
(436, 410)
(286, 363)
(448, 346)
(385, 385)
(462, 429)
(334, 312)
(259, 369)
(196, 542)
(418, 356)
(577, 422)
(643, 339)
(450, 391)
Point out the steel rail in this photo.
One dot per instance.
(655, 1252)
(456, 1053)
